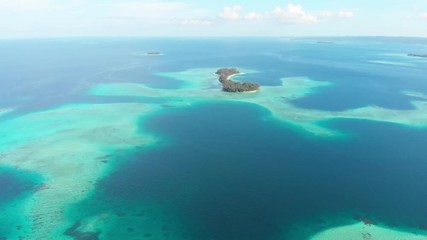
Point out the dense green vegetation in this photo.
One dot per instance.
(417, 55)
(231, 86)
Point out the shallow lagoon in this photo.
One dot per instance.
(135, 147)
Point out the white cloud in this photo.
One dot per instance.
(231, 13)
(424, 15)
(293, 13)
(339, 14)
(345, 14)
(290, 14)
(35, 5)
(24, 5)
(254, 16)
(193, 21)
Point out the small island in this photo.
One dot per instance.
(417, 55)
(153, 53)
(232, 86)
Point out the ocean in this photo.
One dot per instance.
(154, 157)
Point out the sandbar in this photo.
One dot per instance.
(415, 94)
(392, 63)
(5, 111)
(362, 231)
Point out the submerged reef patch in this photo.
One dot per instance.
(66, 146)
(277, 99)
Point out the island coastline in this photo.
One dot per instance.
(417, 55)
(229, 85)
(153, 54)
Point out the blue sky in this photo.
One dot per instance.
(61, 18)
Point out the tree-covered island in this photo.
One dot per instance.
(153, 53)
(417, 55)
(231, 86)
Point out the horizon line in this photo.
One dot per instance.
(204, 37)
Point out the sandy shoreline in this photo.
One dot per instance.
(230, 78)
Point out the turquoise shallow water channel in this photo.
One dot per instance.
(101, 141)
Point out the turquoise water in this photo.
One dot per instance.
(15, 183)
(226, 170)
(16, 186)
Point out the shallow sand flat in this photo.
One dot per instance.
(382, 62)
(275, 98)
(151, 54)
(4, 111)
(415, 94)
(360, 231)
(141, 220)
(413, 118)
(12, 222)
(344, 227)
(69, 147)
(194, 78)
(200, 78)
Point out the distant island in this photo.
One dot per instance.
(231, 86)
(153, 53)
(417, 55)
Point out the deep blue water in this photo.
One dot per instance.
(14, 183)
(228, 169)
(236, 176)
(40, 73)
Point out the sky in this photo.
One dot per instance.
(204, 18)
